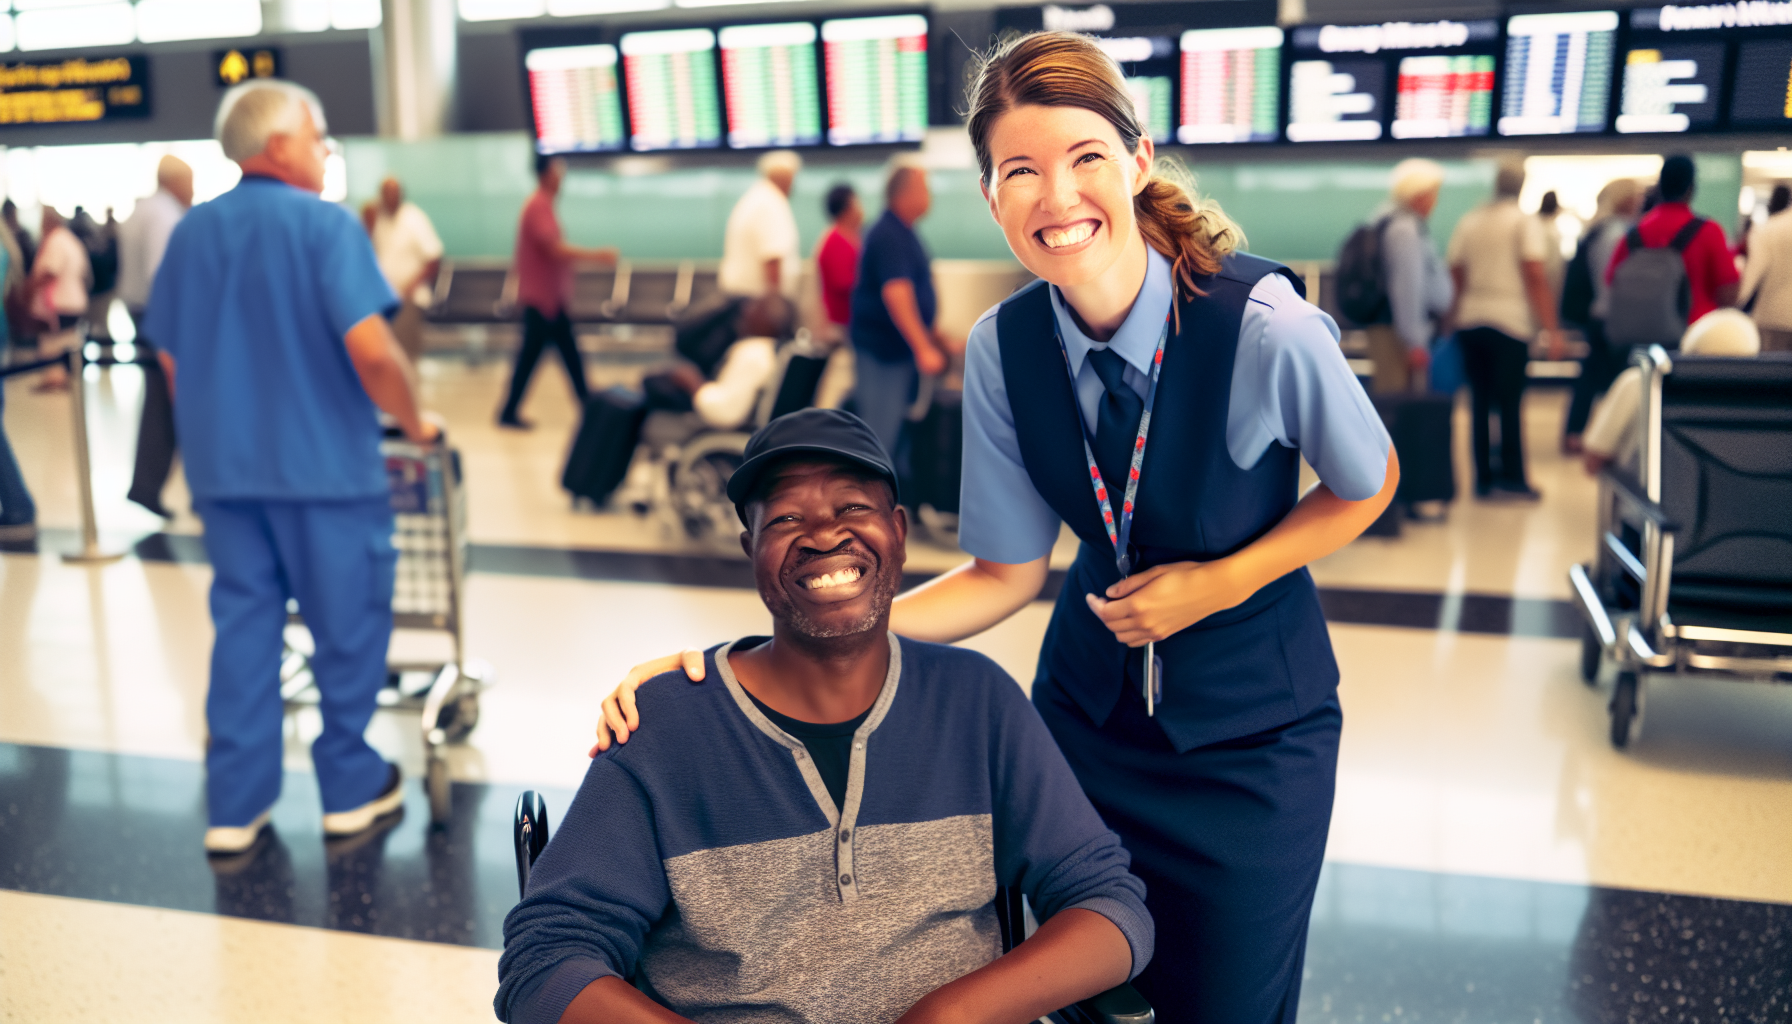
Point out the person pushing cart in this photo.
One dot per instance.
(270, 311)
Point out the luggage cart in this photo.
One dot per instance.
(430, 532)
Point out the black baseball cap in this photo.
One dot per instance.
(827, 432)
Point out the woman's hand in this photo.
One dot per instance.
(620, 716)
(1165, 599)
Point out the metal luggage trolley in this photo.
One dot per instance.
(430, 532)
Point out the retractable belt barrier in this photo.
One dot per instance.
(91, 553)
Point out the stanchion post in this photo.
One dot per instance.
(91, 553)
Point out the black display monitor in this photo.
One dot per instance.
(771, 85)
(1359, 83)
(876, 71)
(1673, 72)
(1558, 75)
(574, 98)
(1761, 95)
(673, 102)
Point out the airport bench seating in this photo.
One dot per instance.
(1694, 551)
(636, 292)
(1119, 1005)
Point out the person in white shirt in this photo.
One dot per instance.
(410, 254)
(59, 287)
(1767, 279)
(760, 252)
(1497, 257)
(144, 237)
(1612, 436)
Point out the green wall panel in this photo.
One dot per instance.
(473, 187)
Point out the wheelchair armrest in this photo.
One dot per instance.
(530, 831)
(1121, 1004)
(1628, 488)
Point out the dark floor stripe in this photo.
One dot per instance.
(1495, 614)
(1385, 944)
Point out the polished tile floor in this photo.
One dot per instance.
(1491, 858)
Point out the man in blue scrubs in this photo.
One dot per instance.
(270, 311)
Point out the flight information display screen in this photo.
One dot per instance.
(1673, 73)
(877, 78)
(1558, 72)
(1149, 64)
(1762, 94)
(672, 96)
(573, 93)
(1430, 79)
(1231, 84)
(769, 82)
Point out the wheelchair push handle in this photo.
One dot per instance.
(530, 833)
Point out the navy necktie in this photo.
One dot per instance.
(1116, 424)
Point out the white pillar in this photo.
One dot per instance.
(415, 67)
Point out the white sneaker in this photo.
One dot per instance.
(347, 823)
(224, 840)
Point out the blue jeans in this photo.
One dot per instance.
(337, 559)
(16, 506)
(883, 392)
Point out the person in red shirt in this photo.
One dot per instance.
(544, 263)
(837, 258)
(1710, 269)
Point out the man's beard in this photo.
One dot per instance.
(883, 591)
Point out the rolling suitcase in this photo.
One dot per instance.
(605, 444)
(1421, 426)
(935, 454)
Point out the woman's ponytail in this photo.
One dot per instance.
(1193, 233)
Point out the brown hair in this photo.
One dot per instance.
(1063, 69)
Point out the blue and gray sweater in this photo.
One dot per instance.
(705, 860)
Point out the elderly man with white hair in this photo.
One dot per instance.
(1417, 282)
(270, 311)
(760, 250)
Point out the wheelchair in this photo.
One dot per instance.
(1121, 1004)
(1694, 566)
(689, 464)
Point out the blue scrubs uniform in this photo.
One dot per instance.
(1224, 798)
(253, 299)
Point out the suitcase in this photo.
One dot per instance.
(1421, 426)
(802, 375)
(605, 444)
(935, 454)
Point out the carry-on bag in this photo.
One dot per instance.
(935, 454)
(1421, 428)
(605, 444)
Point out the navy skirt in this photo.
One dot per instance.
(1228, 839)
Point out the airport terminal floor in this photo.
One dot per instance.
(1492, 858)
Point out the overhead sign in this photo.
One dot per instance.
(236, 66)
(74, 90)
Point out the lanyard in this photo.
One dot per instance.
(1120, 533)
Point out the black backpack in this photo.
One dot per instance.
(1361, 282)
(1650, 293)
(1577, 282)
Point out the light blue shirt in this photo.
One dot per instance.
(1419, 285)
(1290, 386)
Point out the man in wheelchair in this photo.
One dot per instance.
(817, 830)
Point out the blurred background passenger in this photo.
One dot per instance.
(1619, 202)
(760, 248)
(410, 255)
(1613, 435)
(18, 513)
(543, 268)
(727, 400)
(142, 240)
(1767, 277)
(1710, 269)
(837, 259)
(9, 213)
(1417, 284)
(893, 307)
(283, 459)
(59, 291)
(1503, 297)
(1549, 211)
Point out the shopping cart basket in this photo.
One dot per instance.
(430, 533)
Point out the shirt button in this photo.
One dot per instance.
(846, 835)
(845, 879)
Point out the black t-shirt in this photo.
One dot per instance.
(830, 746)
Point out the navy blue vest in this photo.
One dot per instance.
(1262, 664)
